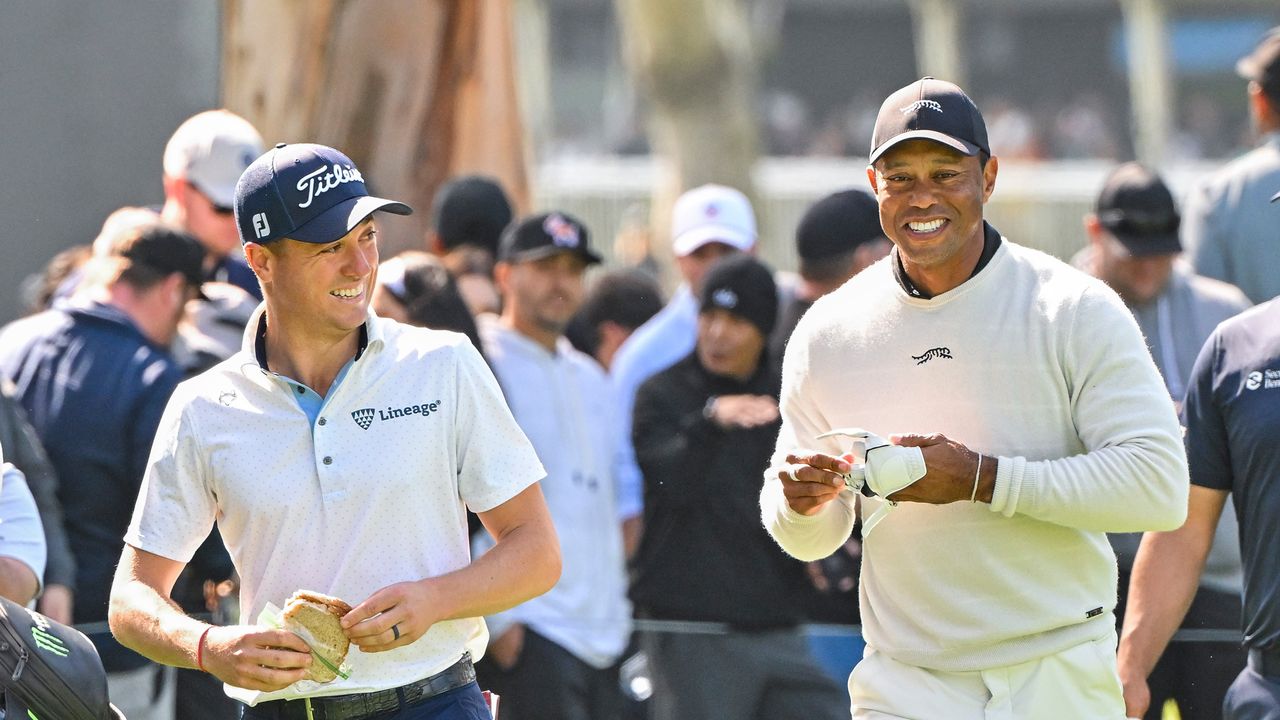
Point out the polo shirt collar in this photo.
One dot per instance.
(255, 336)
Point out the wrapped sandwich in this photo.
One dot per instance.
(315, 618)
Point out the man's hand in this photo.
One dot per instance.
(743, 411)
(255, 658)
(950, 469)
(57, 603)
(410, 607)
(812, 480)
(1137, 694)
(505, 649)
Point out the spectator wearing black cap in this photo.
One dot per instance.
(1228, 226)
(1134, 248)
(556, 655)
(467, 219)
(702, 434)
(838, 236)
(93, 375)
(987, 583)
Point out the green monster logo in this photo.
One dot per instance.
(49, 643)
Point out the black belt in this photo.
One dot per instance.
(363, 705)
(1265, 662)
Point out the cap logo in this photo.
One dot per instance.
(725, 298)
(922, 105)
(322, 180)
(261, 227)
(711, 210)
(563, 233)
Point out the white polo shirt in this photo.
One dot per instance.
(373, 493)
(563, 402)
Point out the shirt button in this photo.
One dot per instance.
(323, 421)
(328, 460)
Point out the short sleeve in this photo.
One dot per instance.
(496, 461)
(21, 534)
(176, 505)
(1208, 452)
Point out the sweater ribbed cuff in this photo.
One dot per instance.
(1010, 474)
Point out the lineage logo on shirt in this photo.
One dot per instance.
(364, 417)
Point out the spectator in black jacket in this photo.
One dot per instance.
(702, 432)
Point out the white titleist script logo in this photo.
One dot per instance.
(321, 181)
(922, 105)
(931, 353)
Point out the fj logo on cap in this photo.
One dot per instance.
(725, 298)
(363, 417)
(261, 227)
(922, 105)
(562, 232)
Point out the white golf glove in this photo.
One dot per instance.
(885, 469)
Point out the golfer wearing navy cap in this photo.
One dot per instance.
(338, 452)
(987, 589)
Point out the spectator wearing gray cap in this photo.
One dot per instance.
(202, 162)
(1228, 226)
(468, 216)
(1134, 248)
(837, 238)
(93, 375)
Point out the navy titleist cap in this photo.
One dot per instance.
(544, 235)
(930, 109)
(305, 192)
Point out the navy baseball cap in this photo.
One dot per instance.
(1136, 207)
(930, 109)
(305, 192)
(544, 235)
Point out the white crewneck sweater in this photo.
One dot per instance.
(1033, 362)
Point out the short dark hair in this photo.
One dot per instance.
(626, 297)
(430, 296)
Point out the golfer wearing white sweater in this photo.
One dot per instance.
(987, 588)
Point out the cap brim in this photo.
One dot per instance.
(548, 250)
(340, 219)
(960, 146)
(690, 241)
(1148, 245)
(1275, 197)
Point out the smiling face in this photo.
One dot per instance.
(931, 200)
(323, 290)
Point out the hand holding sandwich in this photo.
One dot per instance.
(394, 616)
(253, 657)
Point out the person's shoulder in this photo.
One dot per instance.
(1225, 185)
(47, 323)
(405, 342)
(662, 382)
(1211, 291)
(1260, 323)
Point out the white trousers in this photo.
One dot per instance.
(1079, 682)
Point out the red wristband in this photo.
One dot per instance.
(200, 649)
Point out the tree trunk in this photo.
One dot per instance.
(693, 61)
(414, 92)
